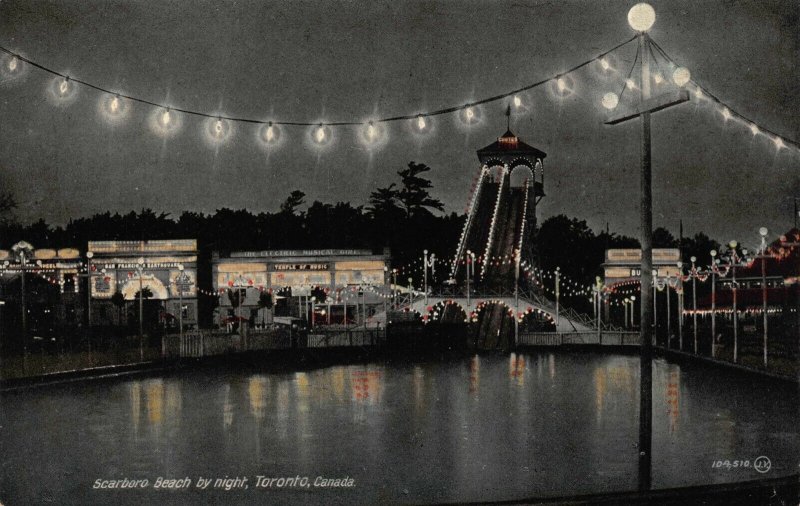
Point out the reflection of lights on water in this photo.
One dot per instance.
(227, 408)
(256, 390)
(154, 394)
(136, 403)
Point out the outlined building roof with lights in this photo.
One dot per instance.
(508, 148)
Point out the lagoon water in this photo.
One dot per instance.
(473, 428)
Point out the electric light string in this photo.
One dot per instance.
(728, 112)
(15, 58)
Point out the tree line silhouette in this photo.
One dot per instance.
(403, 216)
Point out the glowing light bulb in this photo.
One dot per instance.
(469, 113)
(114, 104)
(630, 84)
(604, 63)
(319, 135)
(165, 118)
(12, 65)
(371, 132)
(562, 84)
(641, 17)
(64, 86)
(517, 102)
(218, 127)
(421, 123)
(726, 113)
(754, 128)
(610, 100)
(269, 133)
(658, 78)
(778, 142)
(681, 76)
(698, 93)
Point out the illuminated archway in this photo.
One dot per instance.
(521, 176)
(447, 311)
(149, 281)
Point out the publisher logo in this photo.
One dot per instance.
(762, 464)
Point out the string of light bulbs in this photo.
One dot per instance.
(219, 127)
(167, 123)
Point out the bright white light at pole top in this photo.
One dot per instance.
(517, 102)
(562, 84)
(165, 117)
(469, 113)
(421, 123)
(610, 100)
(64, 86)
(641, 17)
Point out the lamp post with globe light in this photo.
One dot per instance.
(641, 18)
(714, 271)
(763, 254)
(693, 272)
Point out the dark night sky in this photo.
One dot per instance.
(312, 61)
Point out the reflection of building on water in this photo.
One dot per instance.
(672, 398)
(337, 382)
(418, 386)
(516, 368)
(608, 382)
(227, 407)
(366, 385)
(474, 374)
(257, 388)
(154, 394)
(136, 404)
